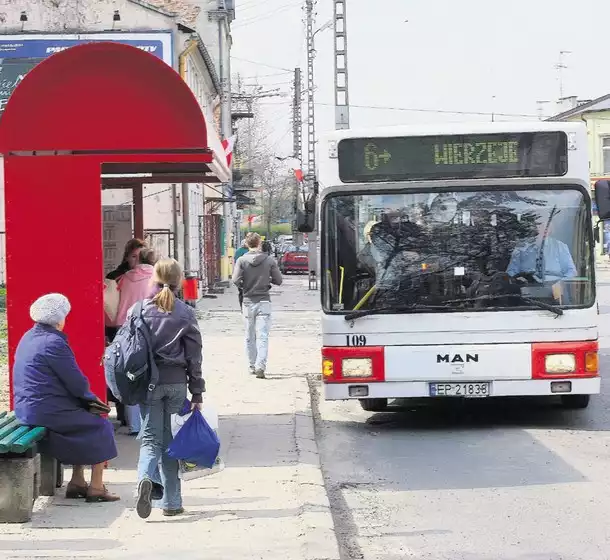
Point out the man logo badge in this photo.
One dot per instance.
(456, 358)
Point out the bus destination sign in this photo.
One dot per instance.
(479, 156)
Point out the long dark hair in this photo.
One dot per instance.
(131, 246)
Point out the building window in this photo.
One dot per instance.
(606, 154)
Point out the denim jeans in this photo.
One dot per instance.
(156, 435)
(134, 422)
(258, 324)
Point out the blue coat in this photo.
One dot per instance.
(51, 391)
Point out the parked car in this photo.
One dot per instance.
(294, 259)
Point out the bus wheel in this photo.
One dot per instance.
(374, 405)
(575, 402)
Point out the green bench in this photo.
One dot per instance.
(24, 473)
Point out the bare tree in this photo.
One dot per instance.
(255, 151)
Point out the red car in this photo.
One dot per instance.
(294, 259)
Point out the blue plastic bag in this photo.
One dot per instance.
(195, 442)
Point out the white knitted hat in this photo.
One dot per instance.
(50, 309)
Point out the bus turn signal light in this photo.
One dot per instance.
(328, 368)
(591, 362)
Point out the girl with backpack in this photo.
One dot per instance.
(177, 352)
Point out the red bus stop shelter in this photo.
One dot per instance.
(90, 111)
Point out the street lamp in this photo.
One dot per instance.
(327, 25)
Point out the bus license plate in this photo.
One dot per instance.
(468, 390)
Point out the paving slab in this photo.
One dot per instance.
(269, 502)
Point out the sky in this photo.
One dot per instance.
(427, 56)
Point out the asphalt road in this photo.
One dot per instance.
(483, 480)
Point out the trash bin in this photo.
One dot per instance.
(190, 287)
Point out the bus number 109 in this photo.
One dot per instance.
(355, 340)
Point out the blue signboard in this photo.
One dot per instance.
(42, 48)
(20, 53)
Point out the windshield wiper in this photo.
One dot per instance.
(392, 309)
(533, 302)
(403, 308)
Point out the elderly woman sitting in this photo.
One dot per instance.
(51, 391)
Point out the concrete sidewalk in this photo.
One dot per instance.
(269, 502)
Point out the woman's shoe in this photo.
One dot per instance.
(173, 512)
(99, 496)
(76, 492)
(144, 503)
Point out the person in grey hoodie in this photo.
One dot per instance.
(254, 273)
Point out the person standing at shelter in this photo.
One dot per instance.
(255, 272)
(134, 286)
(131, 256)
(52, 392)
(177, 349)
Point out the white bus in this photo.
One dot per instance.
(457, 261)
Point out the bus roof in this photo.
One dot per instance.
(451, 128)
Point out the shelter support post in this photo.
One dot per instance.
(138, 210)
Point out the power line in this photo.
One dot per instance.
(266, 15)
(261, 64)
(265, 75)
(417, 110)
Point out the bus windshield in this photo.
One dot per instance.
(463, 250)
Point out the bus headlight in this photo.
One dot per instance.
(357, 367)
(560, 363)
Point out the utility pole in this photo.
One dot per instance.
(297, 124)
(310, 177)
(341, 76)
(311, 121)
(560, 67)
(540, 108)
(297, 151)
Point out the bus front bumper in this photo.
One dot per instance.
(421, 389)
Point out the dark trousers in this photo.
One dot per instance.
(120, 408)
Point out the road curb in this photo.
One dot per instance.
(319, 539)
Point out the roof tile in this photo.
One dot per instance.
(185, 11)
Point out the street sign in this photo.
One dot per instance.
(243, 180)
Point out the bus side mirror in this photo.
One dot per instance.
(602, 199)
(306, 218)
(306, 222)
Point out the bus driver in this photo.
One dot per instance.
(545, 258)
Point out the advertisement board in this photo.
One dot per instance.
(118, 230)
(20, 53)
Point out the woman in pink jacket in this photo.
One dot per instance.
(135, 286)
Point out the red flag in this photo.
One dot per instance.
(299, 175)
(228, 144)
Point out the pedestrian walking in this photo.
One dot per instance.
(243, 250)
(255, 272)
(177, 352)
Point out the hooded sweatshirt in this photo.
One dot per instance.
(254, 273)
(133, 286)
